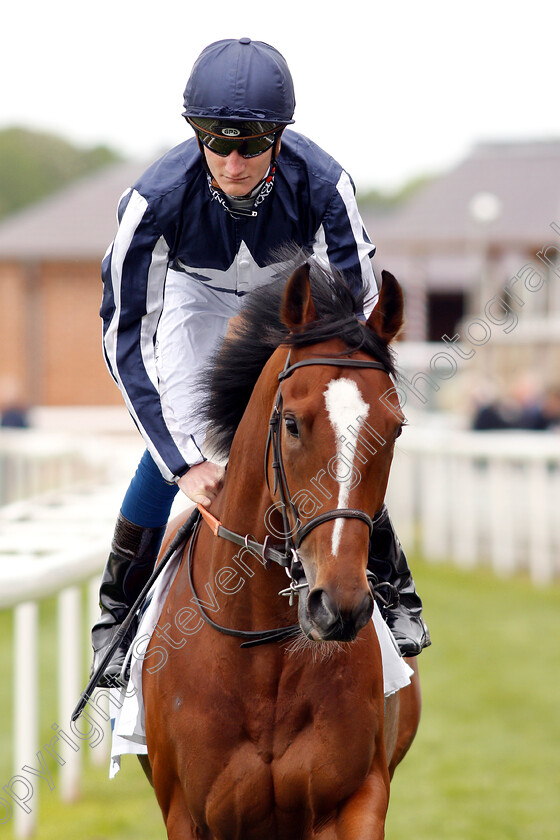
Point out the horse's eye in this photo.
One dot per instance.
(291, 426)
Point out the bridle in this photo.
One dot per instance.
(287, 556)
(274, 444)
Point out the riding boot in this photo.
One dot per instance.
(402, 613)
(131, 561)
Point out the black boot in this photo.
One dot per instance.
(133, 554)
(403, 613)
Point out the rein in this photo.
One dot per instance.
(265, 553)
(252, 637)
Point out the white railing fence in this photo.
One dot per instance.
(53, 545)
(36, 759)
(479, 499)
(33, 462)
(54, 542)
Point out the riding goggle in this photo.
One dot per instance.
(250, 147)
(247, 146)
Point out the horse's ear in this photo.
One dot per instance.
(387, 316)
(297, 307)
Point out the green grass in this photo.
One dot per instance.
(486, 761)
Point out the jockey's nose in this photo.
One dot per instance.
(235, 163)
(335, 623)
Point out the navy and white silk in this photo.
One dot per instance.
(180, 264)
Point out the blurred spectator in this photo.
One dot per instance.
(492, 411)
(526, 398)
(492, 415)
(548, 415)
(13, 411)
(525, 407)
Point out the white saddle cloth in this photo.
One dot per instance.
(127, 705)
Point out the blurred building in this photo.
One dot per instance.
(458, 241)
(468, 240)
(476, 251)
(50, 292)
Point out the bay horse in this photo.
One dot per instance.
(286, 736)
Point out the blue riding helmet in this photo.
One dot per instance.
(240, 80)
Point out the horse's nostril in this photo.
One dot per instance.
(334, 623)
(321, 610)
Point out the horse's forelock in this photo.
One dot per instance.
(228, 381)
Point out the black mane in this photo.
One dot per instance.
(231, 375)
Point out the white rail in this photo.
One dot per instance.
(53, 544)
(480, 498)
(33, 462)
(26, 577)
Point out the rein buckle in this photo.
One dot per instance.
(293, 590)
(295, 587)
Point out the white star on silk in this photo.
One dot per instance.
(242, 276)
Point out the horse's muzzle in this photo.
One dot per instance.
(328, 621)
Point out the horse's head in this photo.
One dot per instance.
(332, 451)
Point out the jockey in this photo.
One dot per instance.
(197, 232)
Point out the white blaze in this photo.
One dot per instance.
(344, 405)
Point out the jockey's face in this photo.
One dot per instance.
(236, 175)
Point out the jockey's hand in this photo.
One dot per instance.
(202, 482)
